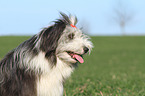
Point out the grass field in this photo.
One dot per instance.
(116, 67)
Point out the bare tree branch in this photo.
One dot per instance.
(122, 16)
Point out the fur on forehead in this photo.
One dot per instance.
(76, 31)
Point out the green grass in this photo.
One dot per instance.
(115, 67)
(7, 43)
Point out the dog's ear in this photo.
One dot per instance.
(51, 35)
(49, 38)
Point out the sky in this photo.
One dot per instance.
(28, 17)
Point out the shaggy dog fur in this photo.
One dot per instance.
(39, 66)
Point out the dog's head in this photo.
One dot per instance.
(65, 41)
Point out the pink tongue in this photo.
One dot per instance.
(79, 58)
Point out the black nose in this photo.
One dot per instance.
(86, 49)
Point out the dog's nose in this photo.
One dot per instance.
(86, 49)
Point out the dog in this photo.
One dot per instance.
(39, 66)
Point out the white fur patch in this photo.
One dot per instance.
(37, 63)
(50, 84)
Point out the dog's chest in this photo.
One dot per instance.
(51, 84)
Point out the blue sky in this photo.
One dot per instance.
(28, 17)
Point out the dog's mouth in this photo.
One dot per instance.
(76, 56)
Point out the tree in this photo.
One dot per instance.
(122, 16)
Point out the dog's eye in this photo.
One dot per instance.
(71, 36)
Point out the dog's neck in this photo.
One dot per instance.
(52, 82)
